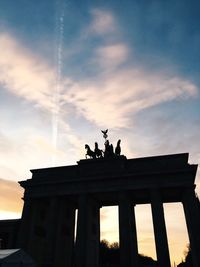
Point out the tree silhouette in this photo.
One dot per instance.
(188, 258)
(110, 256)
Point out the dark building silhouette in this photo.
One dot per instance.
(52, 195)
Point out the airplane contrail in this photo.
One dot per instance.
(59, 32)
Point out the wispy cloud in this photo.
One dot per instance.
(25, 74)
(119, 91)
(103, 22)
(113, 100)
(122, 93)
(112, 55)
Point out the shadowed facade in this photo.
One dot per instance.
(46, 230)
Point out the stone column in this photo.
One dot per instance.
(26, 230)
(160, 232)
(50, 229)
(22, 240)
(127, 233)
(88, 233)
(65, 225)
(192, 216)
(42, 230)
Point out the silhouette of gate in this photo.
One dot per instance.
(53, 194)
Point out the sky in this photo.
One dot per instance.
(71, 68)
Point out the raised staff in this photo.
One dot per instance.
(105, 134)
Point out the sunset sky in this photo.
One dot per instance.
(71, 68)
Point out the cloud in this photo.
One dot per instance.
(5, 143)
(34, 150)
(111, 99)
(28, 76)
(112, 55)
(115, 99)
(24, 74)
(103, 22)
(121, 92)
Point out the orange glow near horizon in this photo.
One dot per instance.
(8, 215)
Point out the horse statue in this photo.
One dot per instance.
(118, 148)
(98, 152)
(89, 152)
(108, 150)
